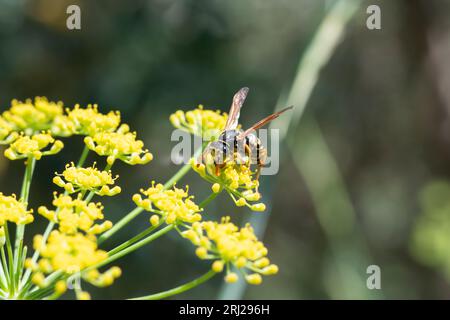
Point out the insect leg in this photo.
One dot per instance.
(248, 153)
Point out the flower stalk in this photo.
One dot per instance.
(180, 289)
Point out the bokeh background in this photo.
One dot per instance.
(365, 174)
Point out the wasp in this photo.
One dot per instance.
(240, 146)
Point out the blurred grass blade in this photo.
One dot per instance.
(345, 268)
(316, 55)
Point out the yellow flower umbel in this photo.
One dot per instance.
(13, 210)
(7, 135)
(121, 144)
(74, 179)
(237, 179)
(32, 117)
(32, 147)
(204, 123)
(76, 214)
(70, 254)
(229, 247)
(86, 121)
(174, 206)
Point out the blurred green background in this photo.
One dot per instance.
(365, 168)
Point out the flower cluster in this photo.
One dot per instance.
(74, 179)
(230, 246)
(207, 124)
(38, 115)
(31, 126)
(121, 144)
(13, 210)
(32, 117)
(70, 254)
(30, 129)
(236, 179)
(174, 206)
(7, 135)
(76, 214)
(73, 247)
(32, 147)
(85, 121)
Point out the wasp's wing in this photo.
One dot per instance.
(263, 122)
(233, 116)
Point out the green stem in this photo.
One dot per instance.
(135, 239)
(120, 224)
(3, 269)
(39, 293)
(89, 196)
(132, 248)
(10, 258)
(180, 173)
(25, 191)
(83, 156)
(179, 289)
(20, 229)
(37, 252)
(51, 224)
(24, 194)
(210, 198)
(184, 169)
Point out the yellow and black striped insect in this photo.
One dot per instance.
(241, 146)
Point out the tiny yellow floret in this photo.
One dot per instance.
(231, 277)
(217, 266)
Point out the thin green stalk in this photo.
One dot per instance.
(132, 248)
(4, 263)
(10, 258)
(51, 224)
(184, 169)
(29, 169)
(23, 291)
(3, 270)
(24, 195)
(89, 196)
(55, 295)
(120, 224)
(19, 265)
(37, 252)
(83, 156)
(185, 287)
(180, 173)
(135, 239)
(210, 198)
(39, 293)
